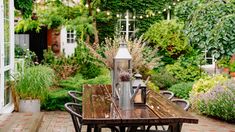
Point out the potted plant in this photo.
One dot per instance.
(232, 69)
(32, 87)
(224, 63)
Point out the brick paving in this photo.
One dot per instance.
(57, 121)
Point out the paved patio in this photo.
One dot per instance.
(58, 121)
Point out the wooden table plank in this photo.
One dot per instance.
(167, 110)
(98, 106)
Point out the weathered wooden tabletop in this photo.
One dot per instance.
(100, 108)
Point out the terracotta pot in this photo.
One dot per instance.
(226, 70)
(232, 74)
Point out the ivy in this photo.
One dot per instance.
(25, 6)
(139, 7)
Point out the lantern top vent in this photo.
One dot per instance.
(123, 52)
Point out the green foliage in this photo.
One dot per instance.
(25, 6)
(182, 90)
(19, 52)
(89, 65)
(163, 79)
(184, 9)
(152, 86)
(168, 36)
(63, 67)
(218, 101)
(78, 80)
(205, 84)
(202, 23)
(232, 66)
(138, 7)
(53, 17)
(223, 62)
(58, 97)
(186, 68)
(34, 83)
(56, 100)
(222, 36)
(28, 56)
(28, 25)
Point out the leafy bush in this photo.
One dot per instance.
(78, 80)
(169, 37)
(208, 82)
(29, 56)
(184, 9)
(182, 90)
(223, 62)
(186, 68)
(58, 97)
(152, 86)
(223, 33)
(204, 21)
(64, 67)
(89, 65)
(218, 101)
(163, 79)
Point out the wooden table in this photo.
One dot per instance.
(99, 108)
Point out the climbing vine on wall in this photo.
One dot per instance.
(25, 6)
(138, 7)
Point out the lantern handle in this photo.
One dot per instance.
(135, 93)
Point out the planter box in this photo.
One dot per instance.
(29, 106)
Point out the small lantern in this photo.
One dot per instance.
(122, 62)
(140, 98)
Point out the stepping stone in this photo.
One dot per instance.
(20, 122)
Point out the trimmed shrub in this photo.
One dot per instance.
(163, 79)
(182, 90)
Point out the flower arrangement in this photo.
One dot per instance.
(124, 76)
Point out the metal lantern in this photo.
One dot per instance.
(140, 98)
(122, 62)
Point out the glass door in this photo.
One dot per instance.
(7, 54)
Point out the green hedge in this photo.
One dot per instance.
(182, 90)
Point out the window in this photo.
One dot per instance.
(209, 58)
(70, 36)
(126, 25)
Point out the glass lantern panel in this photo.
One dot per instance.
(123, 65)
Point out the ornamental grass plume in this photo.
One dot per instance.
(143, 56)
